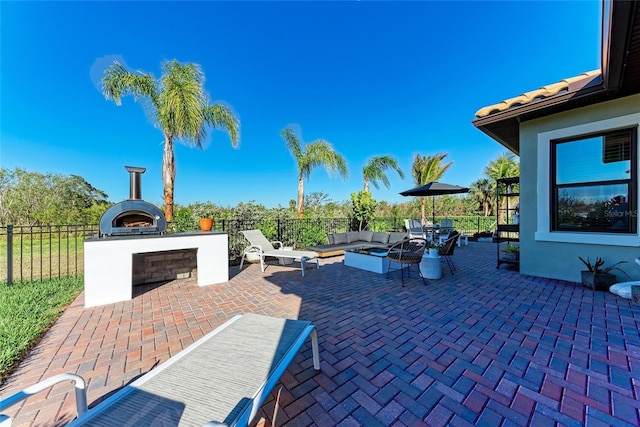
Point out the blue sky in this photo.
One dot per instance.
(372, 78)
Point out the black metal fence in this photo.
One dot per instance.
(36, 253)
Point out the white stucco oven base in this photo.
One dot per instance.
(108, 262)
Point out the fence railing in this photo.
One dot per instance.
(44, 252)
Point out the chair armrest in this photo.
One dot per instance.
(278, 243)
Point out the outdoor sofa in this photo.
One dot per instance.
(340, 242)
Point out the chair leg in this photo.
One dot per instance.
(242, 260)
(420, 273)
(449, 263)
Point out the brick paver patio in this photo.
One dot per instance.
(481, 347)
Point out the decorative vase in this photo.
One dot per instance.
(206, 224)
(516, 218)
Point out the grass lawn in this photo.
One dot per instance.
(27, 311)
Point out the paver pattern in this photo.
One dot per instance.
(482, 347)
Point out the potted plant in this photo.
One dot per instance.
(432, 250)
(511, 252)
(598, 277)
(205, 214)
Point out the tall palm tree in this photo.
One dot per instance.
(317, 153)
(374, 171)
(505, 166)
(482, 192)
(179, 106)
(426, 169)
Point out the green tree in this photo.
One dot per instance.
(364, 207)
(178, 105)
(505, 166)
(29, 198)
(426, 169)
(317, 153)
(375, 168)
(482, 192)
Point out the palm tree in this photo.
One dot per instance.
(426, 169)
(482, 192)
(374, 171)
(317, 153)
(179, 106)
(505, 166)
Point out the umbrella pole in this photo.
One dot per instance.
(433, 209)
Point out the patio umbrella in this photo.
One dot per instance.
(435, 189)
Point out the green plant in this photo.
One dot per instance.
(511, 248)
(205, 210)
(597, 266)
(432, 245)
(364, 208)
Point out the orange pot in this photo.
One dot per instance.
(206, 224)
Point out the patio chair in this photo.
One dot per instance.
(406, 253)
(446, 249)
(414, 228)
(264, 248)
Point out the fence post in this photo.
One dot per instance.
(279, 231)
(9, 254)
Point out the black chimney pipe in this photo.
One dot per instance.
(135, 193)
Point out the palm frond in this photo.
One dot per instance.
(222, 117)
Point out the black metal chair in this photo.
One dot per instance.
(447, 247)
(406, 253)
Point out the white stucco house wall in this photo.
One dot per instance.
(577, 140)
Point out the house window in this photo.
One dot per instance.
(593, 183)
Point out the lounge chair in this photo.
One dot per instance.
(264, 248)
(220, 380)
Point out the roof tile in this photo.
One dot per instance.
(544, 92)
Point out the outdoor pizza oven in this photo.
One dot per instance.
(134, 216)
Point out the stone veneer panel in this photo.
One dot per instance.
(165, 265)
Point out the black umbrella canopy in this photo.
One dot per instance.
(435, 189)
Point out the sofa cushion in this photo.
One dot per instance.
(340, 238)
(330, 237)
(380, 237)
(365, 235)
(353, 236)
(397, 236)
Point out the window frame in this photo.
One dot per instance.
(542, 230)
(630, 182)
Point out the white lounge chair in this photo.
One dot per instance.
(264, 248)
(220, 380)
